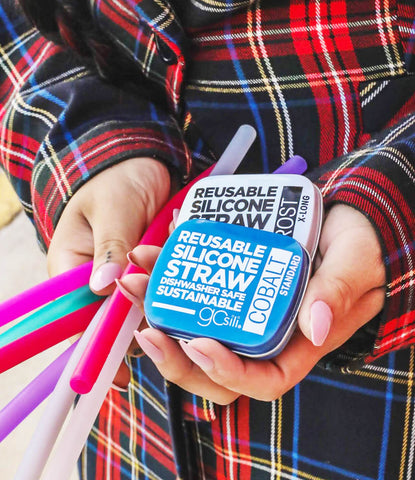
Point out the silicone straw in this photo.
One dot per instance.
(35, 342)
(45, 292)
(86, 410)
(93, 358)
(235, 151)
(295, 165)
(49, 313)
(32, 395)
(57, 409)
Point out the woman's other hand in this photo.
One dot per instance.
(345, 291)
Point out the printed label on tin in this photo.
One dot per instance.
(212, 279)
(269, 284)
(285, 204)
(210, 270)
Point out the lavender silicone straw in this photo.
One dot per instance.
(32, 395)
(294, 165)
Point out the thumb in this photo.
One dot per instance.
(112, 241)
(114, 236)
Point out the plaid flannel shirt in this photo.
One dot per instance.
(331, 80)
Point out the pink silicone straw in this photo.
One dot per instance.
(77, 429)
(94, 355)
(44, 292)
(53, 417)
(43, 338)
(32, 395)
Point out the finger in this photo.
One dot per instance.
(133, 287)
(349, 269)
(263, 380)
(115, 234)
(119, 216)
(177, 368)
(267, 380)
(173, 223)
(144, 256)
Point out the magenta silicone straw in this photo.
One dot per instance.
(45, 292)
(94, 355)
(43, 338)
(102, 339)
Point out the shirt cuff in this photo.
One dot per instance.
(378, 180)
(54, 183)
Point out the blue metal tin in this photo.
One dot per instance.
(238, 285)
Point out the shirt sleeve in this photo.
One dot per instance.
(379, 180)
(61, 124)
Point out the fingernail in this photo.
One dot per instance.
(204, 362)
(149, 348)
(321, 318)
(105, 275)
(132, 259)
(119, 389)
(127, 294)
(137, 352)
(176, 212)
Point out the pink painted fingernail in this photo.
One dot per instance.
(132, 259)
(127, 294)
(119, 389)
(204, 362)
(321, 318)
(105, 275)
(149, 348)
(176, 212)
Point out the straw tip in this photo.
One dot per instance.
(80, 385)
(247, 130)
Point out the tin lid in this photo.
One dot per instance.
(238, 285)
(285, 203)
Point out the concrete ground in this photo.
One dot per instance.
(22, 265)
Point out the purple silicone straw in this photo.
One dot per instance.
(32, 395)
(44, 292)
(294, 165)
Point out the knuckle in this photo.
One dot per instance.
(379, 272)
(181, 375)
(112, 245)
(271, 394)
(229, 380)
(174, 376)
(343, 292)
(225, 399)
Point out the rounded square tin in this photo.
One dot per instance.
(238, 285)
(285, 203)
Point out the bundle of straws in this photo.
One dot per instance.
(64, 306)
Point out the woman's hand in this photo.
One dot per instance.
(345, 292)
(105, 219)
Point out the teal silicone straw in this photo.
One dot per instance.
(49, 313)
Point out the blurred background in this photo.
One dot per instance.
(22, 265)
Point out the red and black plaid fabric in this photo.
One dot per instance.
(331, 80)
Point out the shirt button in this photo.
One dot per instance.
(165, 52)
